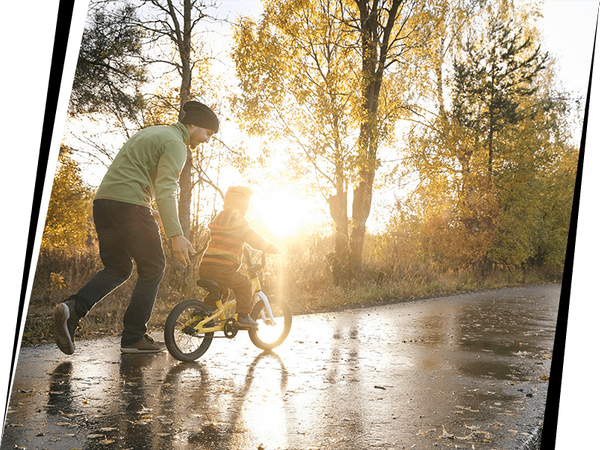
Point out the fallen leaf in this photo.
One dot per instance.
(445, 434)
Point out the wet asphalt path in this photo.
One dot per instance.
(462, 372)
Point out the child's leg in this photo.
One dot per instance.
(242, 288)
(235, 281)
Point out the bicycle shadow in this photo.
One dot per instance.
(229, 421)
(188, 401)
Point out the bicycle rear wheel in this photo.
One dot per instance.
(271, 334)
(182, 340)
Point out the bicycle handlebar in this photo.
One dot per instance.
(251, 266)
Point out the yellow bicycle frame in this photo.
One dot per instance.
(219, 314)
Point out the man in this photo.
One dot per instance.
(147, 167)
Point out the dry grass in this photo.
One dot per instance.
(300, 276)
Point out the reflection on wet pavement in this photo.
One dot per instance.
(464, 370)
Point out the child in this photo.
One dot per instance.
(222, 258)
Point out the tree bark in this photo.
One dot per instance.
(361, 209)
(184, 43)
(338, 259)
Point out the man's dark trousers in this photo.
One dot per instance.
(126, 233)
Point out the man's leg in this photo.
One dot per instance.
(109, 219)
(117, 269)
(145, 246)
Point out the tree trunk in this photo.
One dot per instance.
(338, 259)
(184, 43)
(361, 208)
(374, 45)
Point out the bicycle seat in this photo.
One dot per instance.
(209, 285)
(216, 291)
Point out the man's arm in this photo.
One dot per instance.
(169, 168)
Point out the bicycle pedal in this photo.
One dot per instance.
(229, 328)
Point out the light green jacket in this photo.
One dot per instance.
(148, 167)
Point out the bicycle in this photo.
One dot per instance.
(191, 325)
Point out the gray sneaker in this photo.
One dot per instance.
(245, 322)
(144, 345)
(66, 321)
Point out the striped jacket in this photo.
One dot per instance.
(228, 233)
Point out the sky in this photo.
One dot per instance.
(568, 32)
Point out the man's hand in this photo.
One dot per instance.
(182, 249)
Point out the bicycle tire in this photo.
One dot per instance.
(180, 339)
(269, 336)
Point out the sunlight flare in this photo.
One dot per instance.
(283, 212)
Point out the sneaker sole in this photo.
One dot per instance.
(61, 332)
(129, 350)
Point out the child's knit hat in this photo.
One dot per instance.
(237, 197)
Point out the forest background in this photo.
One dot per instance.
(436, 142)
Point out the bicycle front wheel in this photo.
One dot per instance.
(182, 340)
(270, 334)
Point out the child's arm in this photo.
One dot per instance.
(257, 242)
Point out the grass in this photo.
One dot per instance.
(105, 319)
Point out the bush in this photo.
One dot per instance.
(393, 271)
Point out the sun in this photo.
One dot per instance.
(282, 212)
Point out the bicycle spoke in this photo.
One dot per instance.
(181, 336)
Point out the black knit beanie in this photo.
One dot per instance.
(199, 114)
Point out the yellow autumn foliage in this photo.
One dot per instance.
(69, 210)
